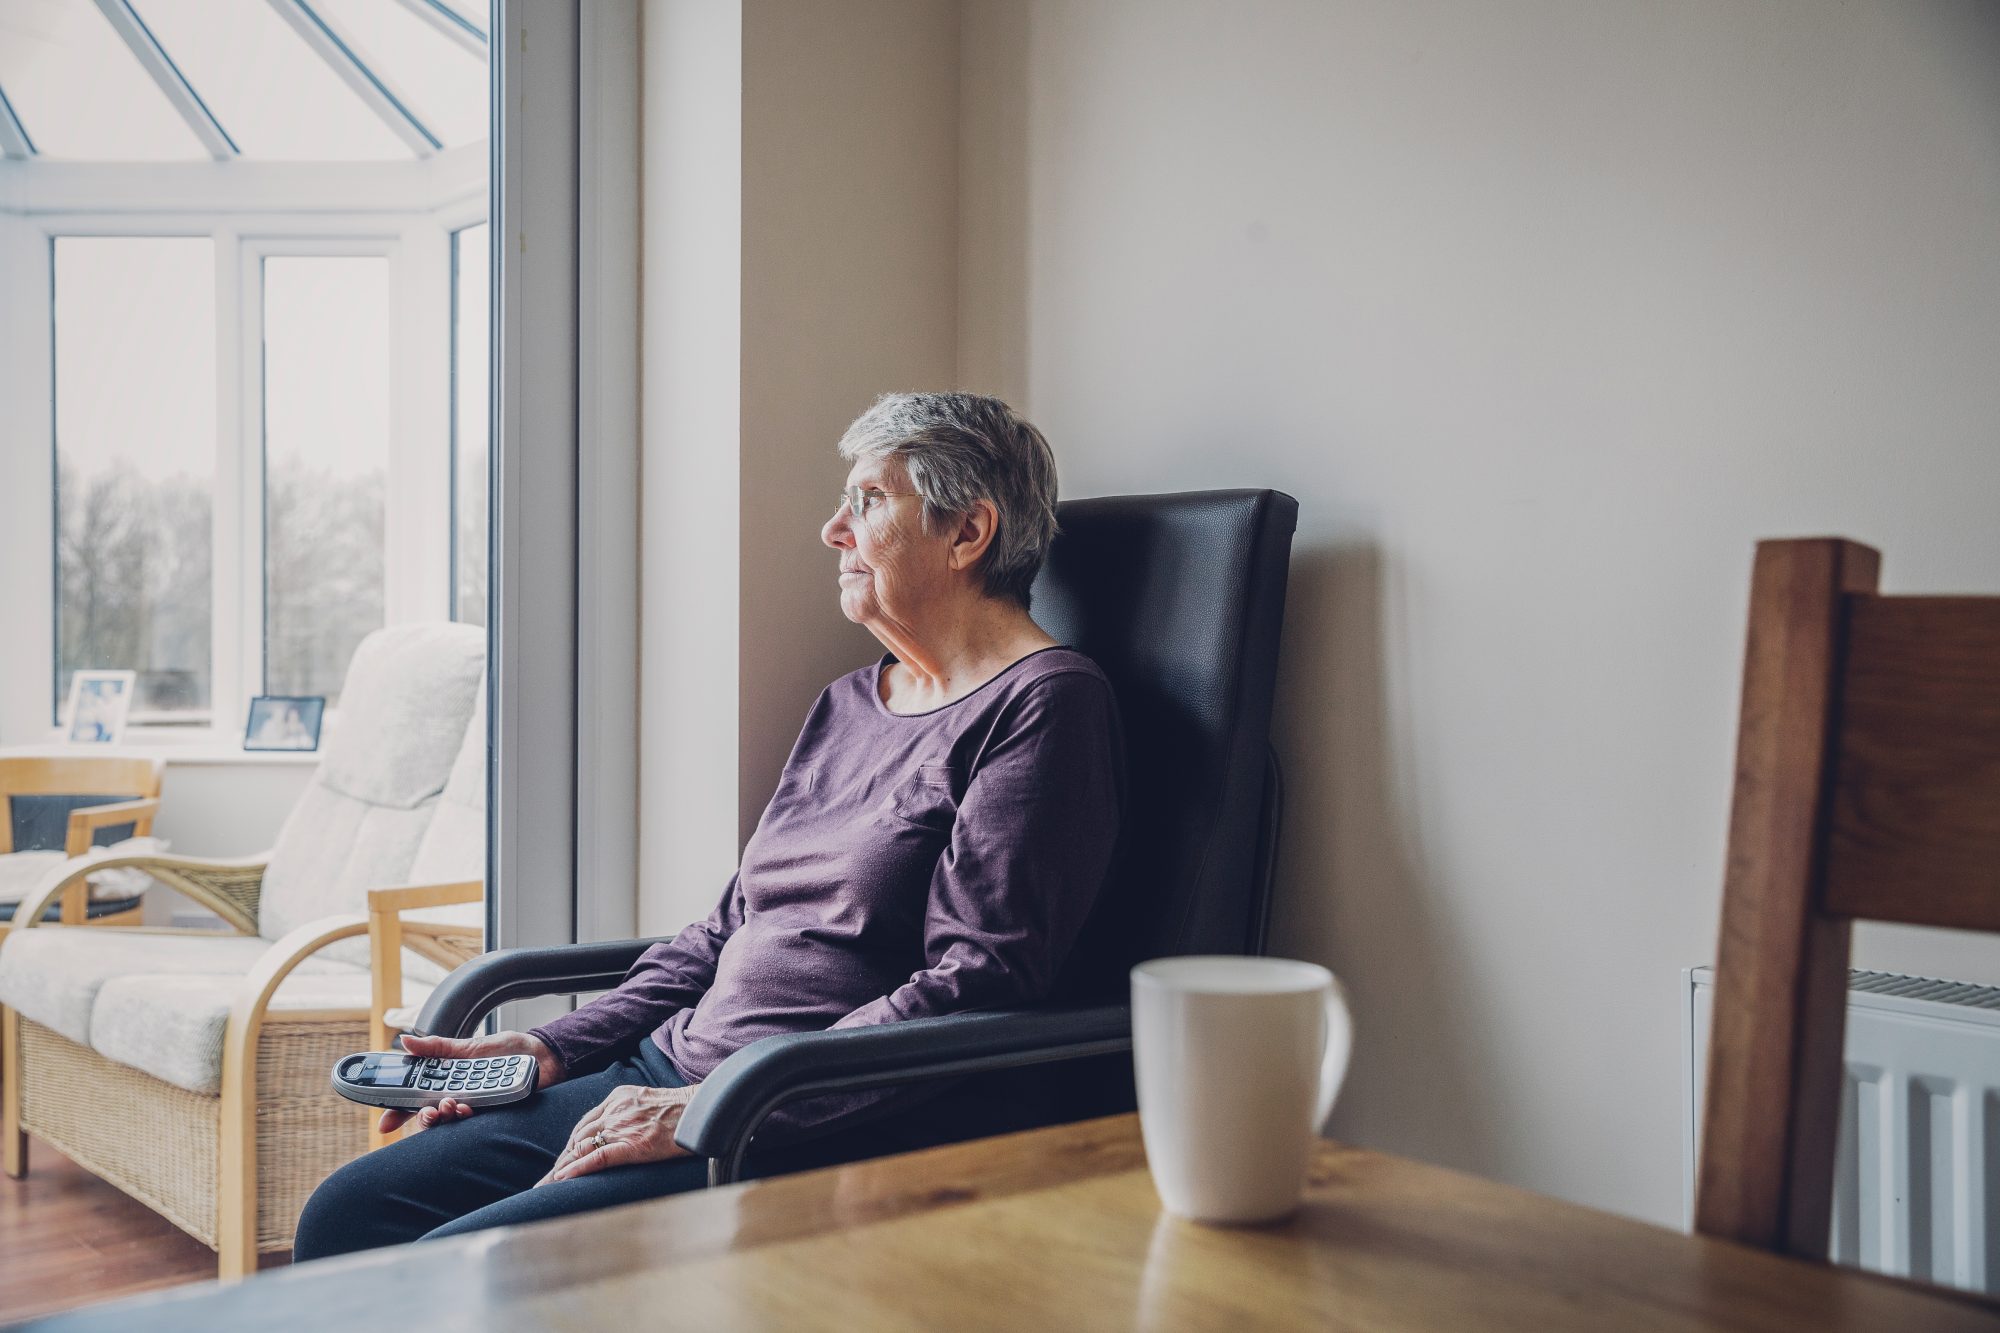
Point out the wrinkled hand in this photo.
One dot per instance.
(549, 1071)
(632, 1125)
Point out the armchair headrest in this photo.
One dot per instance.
(1180, 599)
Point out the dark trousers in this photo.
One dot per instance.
(478, 1172)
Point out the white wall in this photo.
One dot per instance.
(690, 248)
(228, 807)
(223, 807)
(1546, 312)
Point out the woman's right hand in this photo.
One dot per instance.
(549, 1070)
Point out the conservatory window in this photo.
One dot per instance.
(135, 465)
(327, 340)
(245, 291)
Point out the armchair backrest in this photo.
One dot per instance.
(37, 794)
(409, 694)
(1180, 599)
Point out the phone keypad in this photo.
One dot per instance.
(484, 1074)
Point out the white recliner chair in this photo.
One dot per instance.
(191, 1069)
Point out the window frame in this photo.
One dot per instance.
(474, 217)
(415, 238)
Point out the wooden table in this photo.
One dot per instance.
(1060, 1229)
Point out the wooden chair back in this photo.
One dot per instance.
(75, 775)
(1867, 787)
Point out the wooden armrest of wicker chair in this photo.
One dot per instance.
(229, 888)
(389, 934)
(84, 823)
(236, 1216)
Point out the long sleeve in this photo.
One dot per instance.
(668, 977)
(1029, 851)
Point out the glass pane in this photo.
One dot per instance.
(476, 12)
(471, 332)
(135, 465)
(270, 90)
(327, 341)
(79, 90)
(442, 83)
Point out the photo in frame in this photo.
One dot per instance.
(99, 703)
(284, 722)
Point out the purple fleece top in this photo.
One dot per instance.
(908, 865)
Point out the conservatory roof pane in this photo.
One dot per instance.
(271, 91)
(441, 82)
(79, 90)
(477, 12)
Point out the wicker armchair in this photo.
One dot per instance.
(54, 808)
(215, 1047)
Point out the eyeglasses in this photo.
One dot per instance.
(859, 501)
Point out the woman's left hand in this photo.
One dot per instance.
(633, 1124)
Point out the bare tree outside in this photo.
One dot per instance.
(134, 569)
(323, 543)
(328, 330)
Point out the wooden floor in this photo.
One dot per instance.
(68, 1239)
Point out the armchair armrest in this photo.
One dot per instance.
(410, 897)
(228, 887)
(389, 935)
(734, 1100)
(464, 998)
(84, 823)
(236, 1162)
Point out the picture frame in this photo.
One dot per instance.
(99, 703)
(289, 722)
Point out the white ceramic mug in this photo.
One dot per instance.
(1239, 1061)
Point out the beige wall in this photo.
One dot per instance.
(1546, 312)
(800, 254)
(850, 203)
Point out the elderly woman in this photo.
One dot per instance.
(935, 842)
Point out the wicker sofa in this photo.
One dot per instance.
(190, 1069)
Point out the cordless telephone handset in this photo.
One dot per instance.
(409, 1082)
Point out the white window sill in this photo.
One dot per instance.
(191, 750)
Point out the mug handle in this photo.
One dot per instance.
(1339, 1046)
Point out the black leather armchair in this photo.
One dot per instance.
(1179, 598)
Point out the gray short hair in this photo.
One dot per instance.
(959, 448)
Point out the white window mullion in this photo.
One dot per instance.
(249, 589)
(27, 478)
(235, 679)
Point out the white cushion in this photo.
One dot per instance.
(454, 844)
(409, 694)
(453, 849)
(21, 873)
(171, 1026)
(52, 974)
(331, 852)
(403, 708)
(124, 881)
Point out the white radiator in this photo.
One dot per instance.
(1917, 1171)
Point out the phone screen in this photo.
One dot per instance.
(384, 1071)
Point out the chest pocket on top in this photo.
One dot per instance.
(926, 798)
